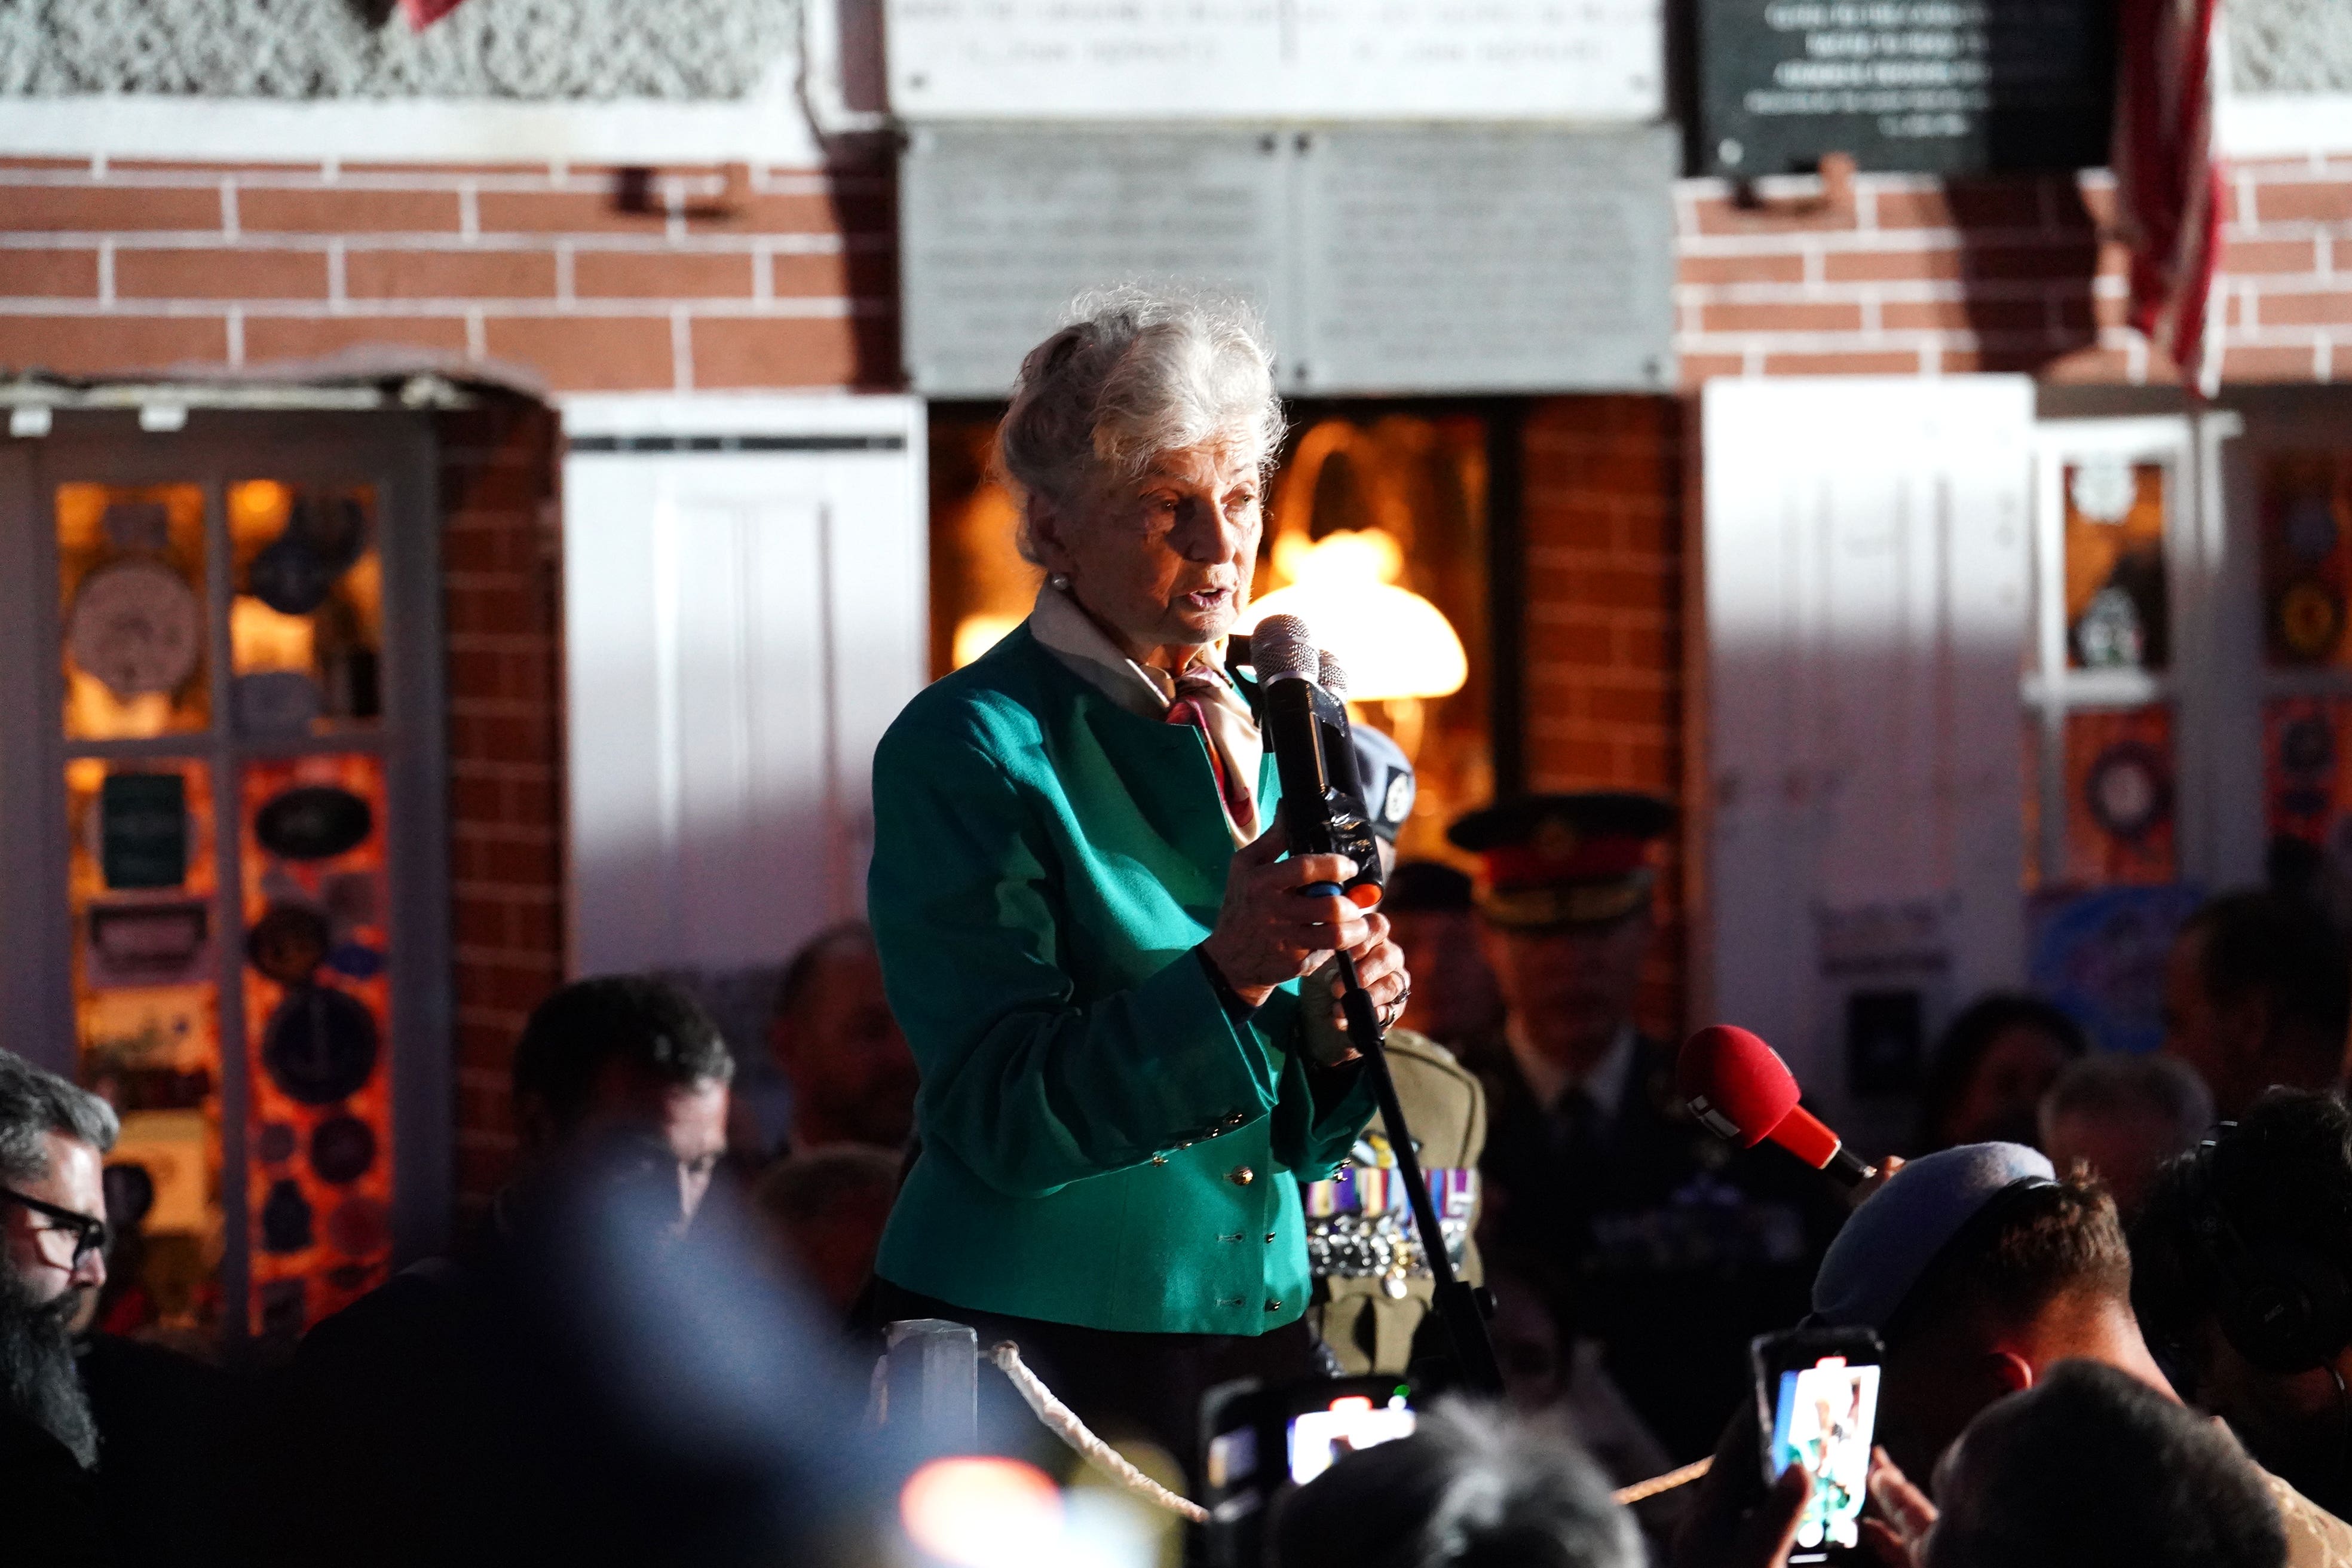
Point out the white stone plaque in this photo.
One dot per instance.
(1001, 228)
(1194, 59)
(1386, 259)
(1462, 260)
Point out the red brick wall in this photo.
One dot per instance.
(1603, 521)
(2287, 260)
(595, 279)
(1913, 276)
(1921, 276)
(502, 604)
(743, 277)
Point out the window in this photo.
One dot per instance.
(228, 801)
(2303, 496)
(2111, 683)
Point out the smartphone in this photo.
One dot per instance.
(1817, 1406)
(1316, 1439)
(1258, 1443)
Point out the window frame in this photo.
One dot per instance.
(2217, 681)
(394, 452)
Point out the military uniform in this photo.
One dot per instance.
(1648, 1234)
(1372, 1286)
(1372, 1289)
(1652, 1236)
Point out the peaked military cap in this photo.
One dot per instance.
(1564, 859)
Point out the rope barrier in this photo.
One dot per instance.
(1063, 1422)
(1628, 1496)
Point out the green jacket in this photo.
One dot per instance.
(1102, 1144)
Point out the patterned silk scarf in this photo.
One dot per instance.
(1203, 698)
(1206, 702)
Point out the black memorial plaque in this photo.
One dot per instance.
(1941, 86)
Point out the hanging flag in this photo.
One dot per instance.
(423, 13)
(2168, 185)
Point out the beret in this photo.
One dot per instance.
(1889, 1243)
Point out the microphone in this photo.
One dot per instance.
(1323, 806)
(1314, 752)
(1744, 1093)
(1330, 676)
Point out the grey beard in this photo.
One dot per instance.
(38, 1378)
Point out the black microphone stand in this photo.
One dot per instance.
(1460, 1306)
(1306, 728)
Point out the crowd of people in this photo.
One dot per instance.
(2130, 1348)
(1092, 1082)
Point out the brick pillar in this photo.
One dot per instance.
(1603, 520)
(502, 585)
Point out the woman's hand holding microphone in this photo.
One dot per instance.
(1269, 932)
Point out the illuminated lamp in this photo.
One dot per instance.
(1396, 646)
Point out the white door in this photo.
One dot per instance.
(1866, 567)
(745, 610)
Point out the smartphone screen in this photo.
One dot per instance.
(1259, 1443)
(1318, 1438)
(1824, 1406)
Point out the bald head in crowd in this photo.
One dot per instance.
(2092, 1467)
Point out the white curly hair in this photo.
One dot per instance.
(1134, 373)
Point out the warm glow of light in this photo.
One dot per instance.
(975, 635)
(93, 711)
(1371, 552)
(982, 1512)
(1354, 1402)
(259, 507)
(1393, 642)
(264, 639)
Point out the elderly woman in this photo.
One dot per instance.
(1087, 926)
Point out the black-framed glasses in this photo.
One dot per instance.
(89, 1233)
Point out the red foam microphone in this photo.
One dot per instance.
(1744, 1093)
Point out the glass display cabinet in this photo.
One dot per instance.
(223, 828)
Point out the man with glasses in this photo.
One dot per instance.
(53, 1143)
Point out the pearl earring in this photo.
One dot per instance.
(1060, 581)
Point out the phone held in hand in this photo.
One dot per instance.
(1817, 1406)
(1261, 1443)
